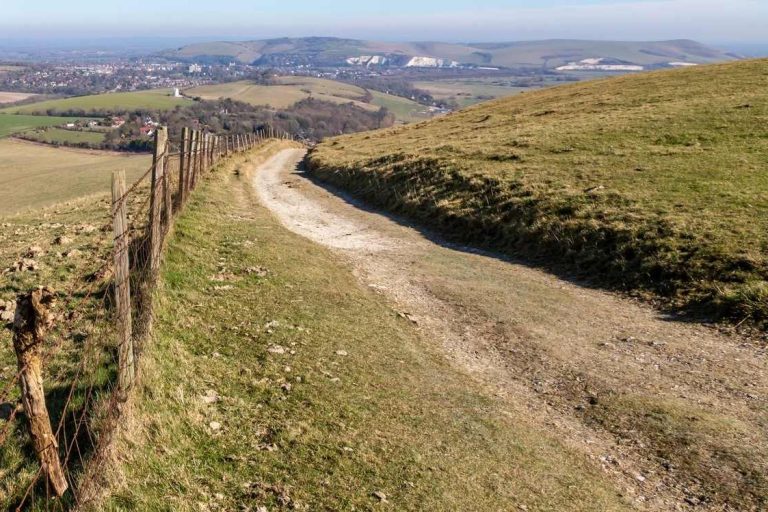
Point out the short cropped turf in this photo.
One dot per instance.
(654, 183)
(275, 380)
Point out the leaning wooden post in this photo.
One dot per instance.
(183, 165)
(30, 325)
(158, 170)
(126, 366)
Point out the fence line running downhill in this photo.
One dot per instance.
(114, 310)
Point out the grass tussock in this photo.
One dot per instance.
(653, 183)
(266, 386)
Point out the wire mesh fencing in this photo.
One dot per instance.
(85, 342)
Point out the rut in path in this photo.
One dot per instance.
(639, 394)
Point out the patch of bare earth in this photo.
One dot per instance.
(13, 97)
(675, 412)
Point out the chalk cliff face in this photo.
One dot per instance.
(600, 64)
(400, 60)
(368, 60)
(431, 62)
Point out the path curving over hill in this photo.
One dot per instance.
(674, 412)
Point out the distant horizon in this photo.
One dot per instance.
(707, 21)
(193, 39)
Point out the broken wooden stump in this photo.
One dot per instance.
(31, 323)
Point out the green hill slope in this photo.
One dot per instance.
(653, 182)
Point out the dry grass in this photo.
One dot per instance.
(650, 182)
(13, 97)
(34, 176)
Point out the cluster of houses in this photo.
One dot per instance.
(147, 128)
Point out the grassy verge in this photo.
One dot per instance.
(651, 182)
(275, 380)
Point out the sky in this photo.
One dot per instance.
(713, 21)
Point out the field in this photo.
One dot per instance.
(157, 99)
(13, 97)
(62, 136)
(652, 183)
(34, 176)
(291, 90)
(469, 91)
(10, 124)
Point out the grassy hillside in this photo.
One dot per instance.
(159, 99)
(549, 53)
(651, 182)
(274, 392)
(34, 176)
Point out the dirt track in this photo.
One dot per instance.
(674, 412)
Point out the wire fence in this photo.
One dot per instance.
(87, 340)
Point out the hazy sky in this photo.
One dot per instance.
(450, 20)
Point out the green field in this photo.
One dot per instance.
(62, 136)
(653, 183)
(34, 176)
(10, 124)
(290, 90)
(157, 99)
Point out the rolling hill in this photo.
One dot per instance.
(653, 183)
(291, 89)
(550, 53)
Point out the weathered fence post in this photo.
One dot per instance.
(183, 170)
(158, 169)
(200, 153)
(126, 366)
(167, 196)
(30, 325)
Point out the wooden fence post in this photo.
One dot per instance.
(167, 195)
(158, 169)
(126, 366)
(30, 326)
(200, 155)
(184, 150)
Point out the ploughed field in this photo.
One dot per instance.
(653, 183)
